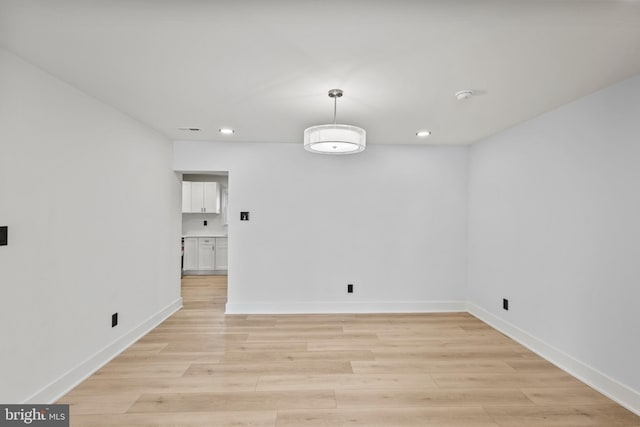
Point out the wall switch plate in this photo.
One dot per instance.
(349, 288)
(114, 320)
(244, 216)
(505, 304)
(4, 231)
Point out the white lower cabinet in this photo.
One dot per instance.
(205, 253)
(190, 253)
(206, 256)
(222, 253)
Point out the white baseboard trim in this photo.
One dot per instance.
(59, 387)
(606, 385)
(345, 307)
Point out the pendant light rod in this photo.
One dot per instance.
(335, 94)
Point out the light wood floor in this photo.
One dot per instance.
(202, 368)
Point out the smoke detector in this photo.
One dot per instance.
(463, 94)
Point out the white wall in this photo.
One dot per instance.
(391, 220)
(93, 209)
(193, 223)
(554, 227)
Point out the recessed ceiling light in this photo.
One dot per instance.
(423, 133)
(190, 129)
(226, 131)
(464, 94)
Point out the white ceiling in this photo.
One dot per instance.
(264, 67)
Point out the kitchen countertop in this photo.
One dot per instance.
(205, 235)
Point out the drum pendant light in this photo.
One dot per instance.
(335, 138)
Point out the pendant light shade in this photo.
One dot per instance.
(334, 138)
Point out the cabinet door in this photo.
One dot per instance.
(205, 253)
(211, 197)
(190, 253)
(197, 197)
(186, 196)
(222, 252)
(224, 202)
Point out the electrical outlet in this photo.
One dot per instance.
(114, 320)
(244, 216)
(205, 222)
(505, 304)
(4, 231)
(349, 288)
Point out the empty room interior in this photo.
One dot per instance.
(321, 213)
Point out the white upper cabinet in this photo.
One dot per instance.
(200, 197)
(186, 196)
(197, 197)
(211, 201)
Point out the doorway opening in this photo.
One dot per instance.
(205, 235)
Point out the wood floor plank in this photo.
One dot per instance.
(100, 403)
(203, 337)
(319, 319)
(283, 346)
(344, 381)
(438, 366)
(190, 384)
(422, 343)
(222, 328)
(181, 347)
(387, 417)
(270, 368)
(143, 369)
(566, 396)
(508, 380)
(429, 397)
(204, 368)
(140, 348)
(533, 365)
(169, 357)
(179, 419)
(563, 416)
(311, 336)
(234, 401)
(293, 356)
(446, 355)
